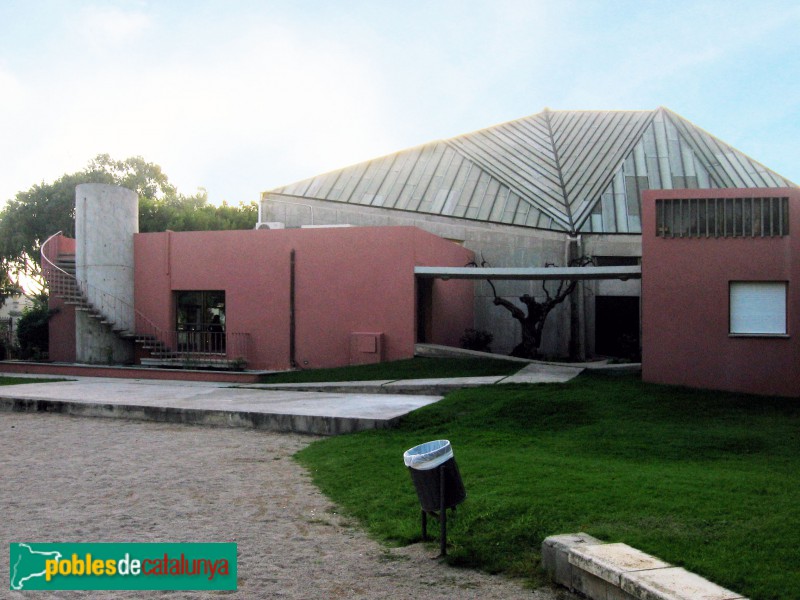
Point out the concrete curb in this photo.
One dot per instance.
(603, 571)
(417, 387)
(278, 422)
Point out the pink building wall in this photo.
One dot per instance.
(62, 322)
(347, 280)
(685, 303)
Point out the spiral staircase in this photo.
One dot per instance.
(59, 270)
(164, 348)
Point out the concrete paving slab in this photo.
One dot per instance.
(544, 373)
(205, 403)
(459, 381)
(345, 387)
(434, 386)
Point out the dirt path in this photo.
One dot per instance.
(65, 479)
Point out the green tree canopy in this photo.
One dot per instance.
(46, 208)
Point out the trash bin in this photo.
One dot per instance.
(433, 468)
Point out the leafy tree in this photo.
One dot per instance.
(35, 214)
(144, 178)
(6, 288)
(32, 330)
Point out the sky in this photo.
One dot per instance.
(238, 97)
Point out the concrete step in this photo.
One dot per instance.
(195, 363)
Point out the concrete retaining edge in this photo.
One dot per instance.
(285, 423)
(598, 366)
(604, 571)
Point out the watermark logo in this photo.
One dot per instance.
(134, 566)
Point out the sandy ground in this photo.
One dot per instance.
(68, 479)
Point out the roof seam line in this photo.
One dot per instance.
(568, 209)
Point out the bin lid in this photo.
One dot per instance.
(428, 455)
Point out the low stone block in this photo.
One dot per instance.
(590, 585)
(555, 555)
(674, 583)
(611, 561)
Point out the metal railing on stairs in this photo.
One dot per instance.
(124, 320)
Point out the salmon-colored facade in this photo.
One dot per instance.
(687, 334)
(347, 281)
(305, 298)
(62, 316)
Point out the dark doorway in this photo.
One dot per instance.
(616, 329)
(200, 321)
(424, 310)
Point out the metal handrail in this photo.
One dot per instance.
(143, 329)
(67, 284)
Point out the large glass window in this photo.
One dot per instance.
(758, 307)
(200, 320)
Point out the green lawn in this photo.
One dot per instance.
(18, 380)
(708, 481)
(412, 368)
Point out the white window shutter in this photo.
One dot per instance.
(758, 307)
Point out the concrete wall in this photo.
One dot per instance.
(106, 218)
(685, 291)
(500, 245)
(348, 280)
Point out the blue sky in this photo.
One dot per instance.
(243, 96)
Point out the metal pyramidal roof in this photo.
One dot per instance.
(562, 170)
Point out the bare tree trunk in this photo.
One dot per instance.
(533, 321)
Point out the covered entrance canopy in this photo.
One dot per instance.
(531, 274)
(620, 327)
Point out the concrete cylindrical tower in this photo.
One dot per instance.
(106, 217)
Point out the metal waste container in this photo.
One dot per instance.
(437, 481)
(424, 462)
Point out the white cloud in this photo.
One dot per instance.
(13, 96)
(271, 92)
(108, 25)
(244, 100)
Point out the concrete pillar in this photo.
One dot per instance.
(577, 310)
(106, 217)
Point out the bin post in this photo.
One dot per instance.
(442, 513)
